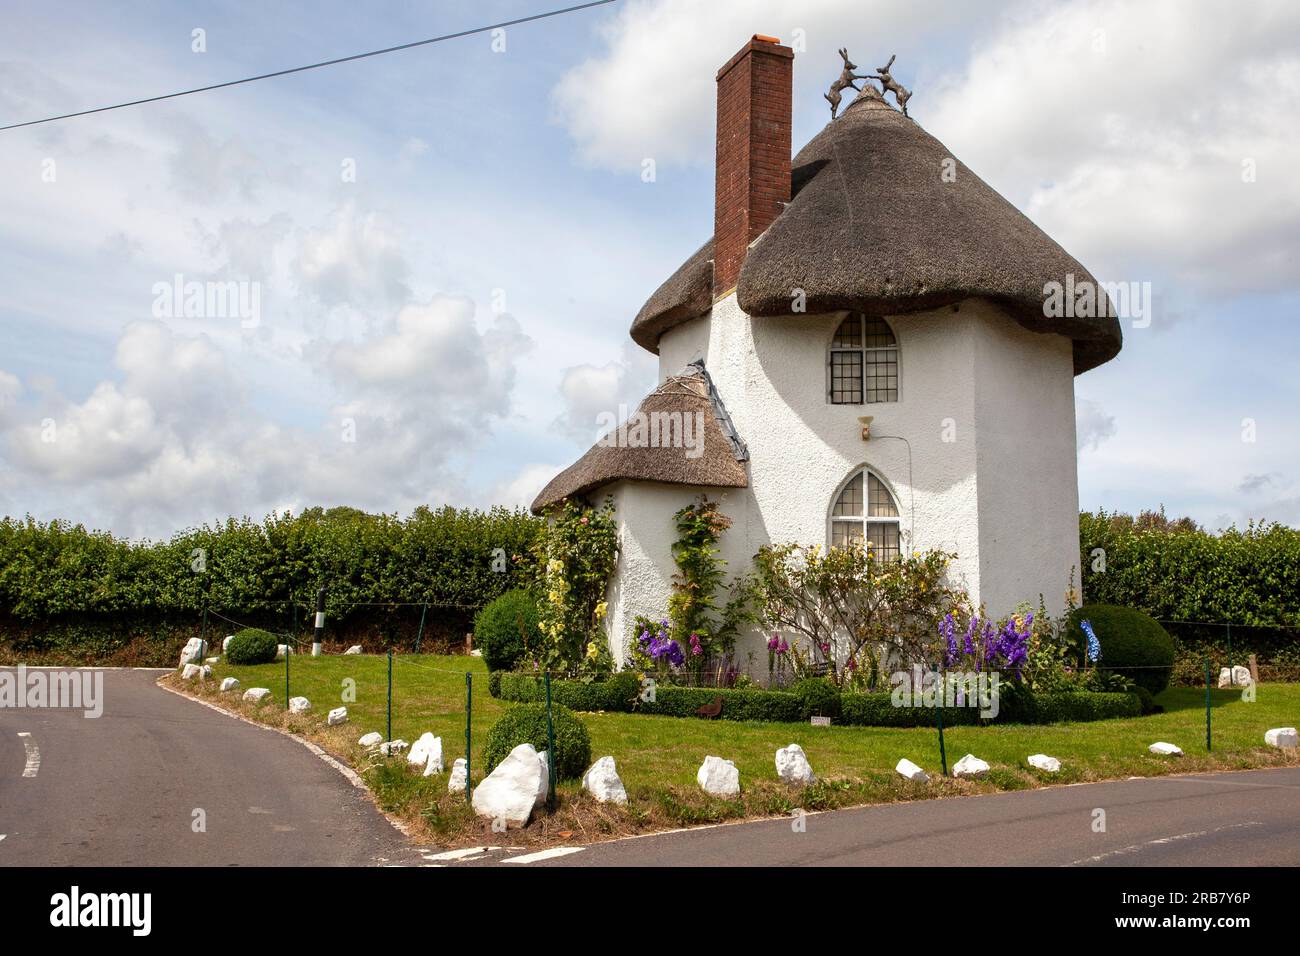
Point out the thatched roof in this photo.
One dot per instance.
(874, 227)
(627, 453)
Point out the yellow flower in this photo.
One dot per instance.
(601, 609)
(592, 651)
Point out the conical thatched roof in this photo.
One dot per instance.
(643, 448)
(873, 226)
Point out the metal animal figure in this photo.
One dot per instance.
(845, 81)
(901, 93)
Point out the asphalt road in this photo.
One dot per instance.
(1250, 818)
(123, 789)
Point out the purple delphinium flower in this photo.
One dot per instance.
(946, 628)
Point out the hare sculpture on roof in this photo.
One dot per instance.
(901, 92)
(845, 81)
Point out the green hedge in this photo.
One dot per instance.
(1176, 571)
(867, 710)
(65, 590)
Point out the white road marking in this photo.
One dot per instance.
(33, 754)
(544, 854)
(1163, 840)
(456, 854)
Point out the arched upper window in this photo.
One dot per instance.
(863, 362)
(865, 509)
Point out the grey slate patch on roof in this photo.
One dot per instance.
(719, 464)
(873, 227)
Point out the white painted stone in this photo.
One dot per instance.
(545, 787)
(476, 653)
(354, 649)
(792, 766)
(1281, 737)
(434, 763)
(390, 747)
(229, 683)
(212, 660)
(299, 705)
(339, 715)
(456, 783)
(1238, 676)
(191, 671)
(257, 694)
(911, 771)
(719, 777)
(225, 643)
(1044, 762)
(193, 651)
(372, 739)
(509, 792)
(1165, 749)
(970, 766)
(418, 755)
(602, 781)
(281, 650)
(206, 671)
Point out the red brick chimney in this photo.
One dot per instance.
(753, 170)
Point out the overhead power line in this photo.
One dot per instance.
(316, 66)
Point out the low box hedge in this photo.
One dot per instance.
(878, 710)
(622, 693)
(767, 705)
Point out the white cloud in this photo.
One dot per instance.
(521, 490)
(356, 260)
(651, 92)
(591, 393)
(1092, 425)
(1122, 128)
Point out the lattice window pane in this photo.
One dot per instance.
(880, 502)
(846, 378)
(883, 538)
(843, 533)
(849, 334)
(879, 335)
(881, 375)
(849, 503)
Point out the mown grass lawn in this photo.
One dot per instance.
(658, 757)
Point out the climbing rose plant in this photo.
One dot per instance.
(576, 555)
(705, 632)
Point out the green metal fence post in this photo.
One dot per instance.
(390, 696)
(550, 743)
(288, 649)
(420, 633)
(203, 642)
(938, 713)
(1232, 675)
(1207, 703)
(469, 711)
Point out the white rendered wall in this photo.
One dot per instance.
(1028, 475)
(967, 377)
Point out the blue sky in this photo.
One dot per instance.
(464, 303)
